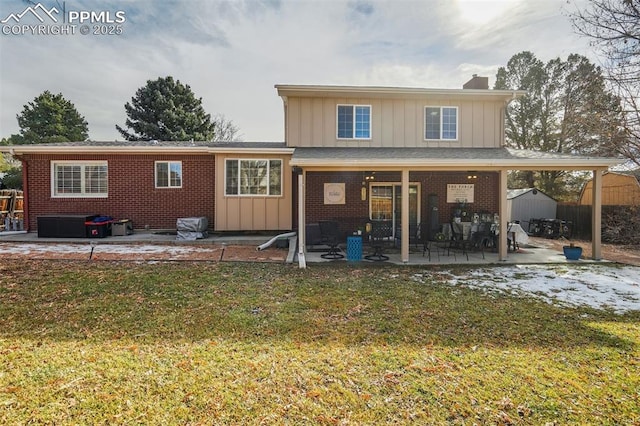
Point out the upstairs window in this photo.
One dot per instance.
(253, 177)
(168, 174)
(79, 179)
(354, 121)
(441, 123)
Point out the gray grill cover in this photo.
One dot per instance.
(191, 228)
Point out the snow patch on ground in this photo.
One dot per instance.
(599, 286)
(25, 249)
(615, 288)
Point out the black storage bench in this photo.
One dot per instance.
(64, 226)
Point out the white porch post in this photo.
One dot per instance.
(502, 211)
(405, 216)
(302, 262)
(596, 216)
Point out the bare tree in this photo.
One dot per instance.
(614, 29)
(225, 130)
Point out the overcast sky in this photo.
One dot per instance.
(232, 53)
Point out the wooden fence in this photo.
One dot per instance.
(620, 224)
(580, 218)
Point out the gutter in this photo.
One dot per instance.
(458, 164)
(123, 149)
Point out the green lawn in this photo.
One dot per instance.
(242, 343)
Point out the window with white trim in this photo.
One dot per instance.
(168, 174)
(354, 121)
(253, 177)
(79, 179)
(441, 123)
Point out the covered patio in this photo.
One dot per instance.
(338, 166)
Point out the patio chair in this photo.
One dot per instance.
(380, 236)
(330, 235)
(481, 237)
(415, 234)
(457, 241)
(511, 238)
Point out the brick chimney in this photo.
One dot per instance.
(480, 83)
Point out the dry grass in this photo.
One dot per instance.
(226, 343)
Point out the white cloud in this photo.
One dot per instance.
(233, 53)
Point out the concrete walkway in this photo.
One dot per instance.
(138, 237)
(147, 245)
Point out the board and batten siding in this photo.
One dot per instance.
(253, 213)
(395, 123)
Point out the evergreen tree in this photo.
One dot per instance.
(166, 110)
(50, 118)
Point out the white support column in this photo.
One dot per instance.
(502, 211)
(405, 216)
(302, 262)
(596, 216)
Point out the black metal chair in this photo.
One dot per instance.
(414, 236)
(330, 235)
(457, 241)
(481, 237)
(380, 236)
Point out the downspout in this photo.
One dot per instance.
(302, 223)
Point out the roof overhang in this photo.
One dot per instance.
(286, 90)
(442, 159)
(150, 148)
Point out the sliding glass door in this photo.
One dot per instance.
(386, 203)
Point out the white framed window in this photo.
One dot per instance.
(441, 123)
(251, 177)
(168, 174)
(354, 121)
(87, 179)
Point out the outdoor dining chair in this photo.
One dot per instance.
(458, 242)
(380, 236)
(330, 235)
(481, 237)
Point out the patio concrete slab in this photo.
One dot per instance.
(439, 256)
(525, 255)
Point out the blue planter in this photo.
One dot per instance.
(572, 253)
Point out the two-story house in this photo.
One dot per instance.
(351, 154)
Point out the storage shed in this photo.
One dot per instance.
(529, 203)
(618, 189)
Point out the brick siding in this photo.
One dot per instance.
(355, 210)
(132, 192)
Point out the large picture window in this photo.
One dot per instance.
(79, 179)
(253, 177)
(354, 122)
(168, 174)
(441, 123)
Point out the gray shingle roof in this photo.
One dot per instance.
(167, 144)
(507, 154)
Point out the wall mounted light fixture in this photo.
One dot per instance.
(366, 178)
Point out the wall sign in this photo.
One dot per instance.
(460, 192)
(334, 193)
